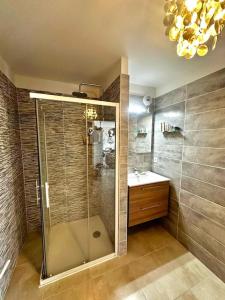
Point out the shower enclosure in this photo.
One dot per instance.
(78, 159)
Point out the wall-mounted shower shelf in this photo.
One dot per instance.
(168, 128)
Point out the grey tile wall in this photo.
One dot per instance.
(197, 160)
(168, 149)
(12, 206)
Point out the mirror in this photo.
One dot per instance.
(140, 132)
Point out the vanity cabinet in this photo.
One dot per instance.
(147, 202)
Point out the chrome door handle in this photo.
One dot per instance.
(47, 194)
(37, 193)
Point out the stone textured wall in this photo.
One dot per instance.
(67, 158)
(12, 208)
(29, 147)
(194, 160)
(64, 129)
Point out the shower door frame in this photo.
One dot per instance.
(39, 97)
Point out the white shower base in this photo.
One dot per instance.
(70, 245)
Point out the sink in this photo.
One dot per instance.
(135, 179)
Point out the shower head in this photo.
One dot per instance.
(82, 94)
(79, 95)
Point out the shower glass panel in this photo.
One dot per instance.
(44, 178)
(101, 180)
(77, 153)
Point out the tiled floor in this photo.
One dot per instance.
(156, 267)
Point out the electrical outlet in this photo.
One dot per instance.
(155, 159)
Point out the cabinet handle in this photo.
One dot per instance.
(146, 188)
(152, 206)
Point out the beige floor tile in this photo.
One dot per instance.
(152, 293)
(31, 251)
(65, 295)
(142, 269)
(82, 291)
(157, 267)
(121, 284)
(156, 237)
(65, 284)
(209, 289)
(137, 248)
(105, 267)
(50, 290)
(169, 285)
(187, 296)
(24, 284)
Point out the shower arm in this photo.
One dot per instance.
(90, 84)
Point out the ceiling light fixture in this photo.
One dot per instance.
(193, 24)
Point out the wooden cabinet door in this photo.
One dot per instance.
(148, 202)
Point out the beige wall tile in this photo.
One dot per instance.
(205, 156)
(205, 173)
(204, 239)
(208, 120)
(206, 102)
(206, 225)
(170, 98)
(205, 138)
(207, 208)
(209, 260)
(205, 190)
(206, 84)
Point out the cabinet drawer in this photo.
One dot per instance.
(146, 204)
(150, 192)
(148, 213)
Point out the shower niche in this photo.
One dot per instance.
(78, 142)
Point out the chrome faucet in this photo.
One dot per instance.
(136, 172)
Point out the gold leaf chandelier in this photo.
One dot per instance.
(193, 24)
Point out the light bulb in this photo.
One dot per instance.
(202, 50)
(191, 4)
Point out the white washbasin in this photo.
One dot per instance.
(145, 178)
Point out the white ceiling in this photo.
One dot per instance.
(80, 40)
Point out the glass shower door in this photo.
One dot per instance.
(62, 139)
(45, 210)
(77, 153)
(101, 125)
